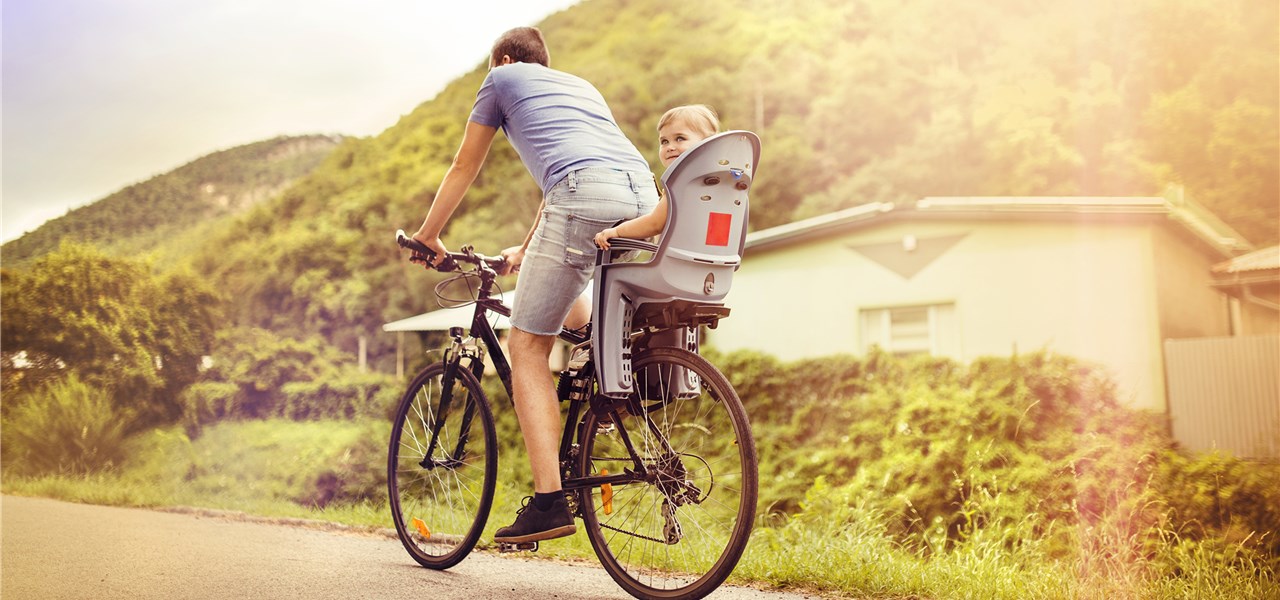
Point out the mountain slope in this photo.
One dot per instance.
(156, 214)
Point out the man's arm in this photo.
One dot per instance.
(476, 140)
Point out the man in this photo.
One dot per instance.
(591, 176)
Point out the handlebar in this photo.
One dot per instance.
(423, 254)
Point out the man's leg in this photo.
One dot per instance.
(536, 406)
(546, 515)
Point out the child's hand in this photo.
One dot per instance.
(602, 238)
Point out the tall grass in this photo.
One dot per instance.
(66, 427)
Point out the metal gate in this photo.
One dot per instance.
(1224, 393)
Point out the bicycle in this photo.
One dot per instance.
(664, 480)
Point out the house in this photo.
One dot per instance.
(1253, 279)
(1103, 279)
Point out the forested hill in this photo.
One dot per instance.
(158, 214)
(856, 101)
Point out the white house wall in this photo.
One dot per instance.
(1082, 290)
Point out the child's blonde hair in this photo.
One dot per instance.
(700, 117)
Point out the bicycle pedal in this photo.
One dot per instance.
(505, 547)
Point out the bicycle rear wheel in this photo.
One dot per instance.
(680, 532)
(441, 466)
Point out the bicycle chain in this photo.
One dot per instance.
(632, 533)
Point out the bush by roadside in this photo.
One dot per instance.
(1031, 455)
(65, 427)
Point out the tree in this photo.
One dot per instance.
(112, 323)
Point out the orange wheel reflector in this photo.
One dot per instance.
(422, 528)
(606, 494)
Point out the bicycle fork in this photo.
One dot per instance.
(459, 350)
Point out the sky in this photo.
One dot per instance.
(101, 94)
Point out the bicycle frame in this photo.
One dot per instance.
(481, 329)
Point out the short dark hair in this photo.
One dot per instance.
(522, 44)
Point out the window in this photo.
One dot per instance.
(906, 330)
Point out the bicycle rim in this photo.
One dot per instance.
(680, 533)
(440, 498)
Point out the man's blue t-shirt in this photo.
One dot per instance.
(557, 122)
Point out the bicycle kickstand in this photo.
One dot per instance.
(505, 547)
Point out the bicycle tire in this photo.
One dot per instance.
(710, 488)
(440, 510)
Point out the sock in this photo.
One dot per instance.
(543, 502)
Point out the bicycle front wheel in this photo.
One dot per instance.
(680, 531)
(441, 466)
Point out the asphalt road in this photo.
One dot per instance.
(51, 549)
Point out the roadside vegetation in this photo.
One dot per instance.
(1011, 477)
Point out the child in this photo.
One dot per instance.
(679, 129)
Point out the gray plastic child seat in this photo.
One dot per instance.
(692, 267)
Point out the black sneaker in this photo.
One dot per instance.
(533, 525)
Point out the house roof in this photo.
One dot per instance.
(1261, 267)
(444, 318)
(1266, 259)
(1184, 213)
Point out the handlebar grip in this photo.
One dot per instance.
(409, 243)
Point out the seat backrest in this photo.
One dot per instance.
(700, 249)
(707, 204)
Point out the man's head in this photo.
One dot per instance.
(522, 44)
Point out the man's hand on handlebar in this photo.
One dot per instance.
(433, 255)
(514, 256)
(433, 244)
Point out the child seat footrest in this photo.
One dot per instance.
(678, 313)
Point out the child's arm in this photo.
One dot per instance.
(638, 228)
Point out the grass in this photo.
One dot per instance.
(275, 469)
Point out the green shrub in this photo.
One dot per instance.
(343, 396)
(259, 375)
(357, 474)
(1007, 450)
(1222, 499)
(207, 402)
(66, 427)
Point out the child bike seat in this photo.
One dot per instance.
(692, 266)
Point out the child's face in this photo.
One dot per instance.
(674, 138)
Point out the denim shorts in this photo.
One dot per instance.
(562, 254)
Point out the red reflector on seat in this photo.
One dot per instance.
(718, 229)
